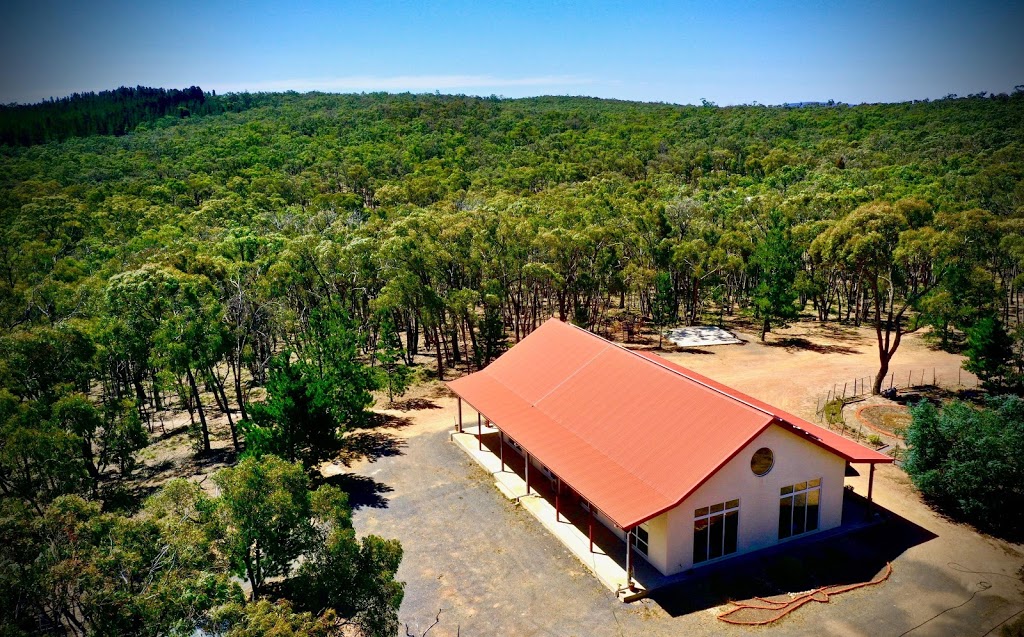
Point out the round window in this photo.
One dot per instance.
(762, 461)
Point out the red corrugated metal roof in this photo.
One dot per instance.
(631, 432)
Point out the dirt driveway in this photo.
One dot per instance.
(492, 569)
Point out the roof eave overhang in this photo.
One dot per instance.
(878, 458)
(588, 497)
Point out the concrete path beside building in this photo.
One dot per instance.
(605, 557)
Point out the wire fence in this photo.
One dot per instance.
(862, 386)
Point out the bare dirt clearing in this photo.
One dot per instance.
(494, 569)
(797, 366)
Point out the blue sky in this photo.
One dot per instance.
(729, 53)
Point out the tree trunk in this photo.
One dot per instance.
(437, 347)
(250, 572)
(157, 403)
(236, 371)
(202, 412)
(218, 384)
(888, 342)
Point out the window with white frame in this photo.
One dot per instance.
(641, 539)
(798, 508)
(715, 530)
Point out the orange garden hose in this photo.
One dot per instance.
(781, 609)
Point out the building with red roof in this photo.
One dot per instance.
(683, 468)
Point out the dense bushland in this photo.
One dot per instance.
(317, 246)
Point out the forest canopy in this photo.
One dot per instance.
(454, 216)
(278, 257)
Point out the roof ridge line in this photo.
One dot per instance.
(678, 373)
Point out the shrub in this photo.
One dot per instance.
(834, 412)
(966, 460)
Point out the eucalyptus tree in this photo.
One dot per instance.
(190, 337)
(899, 264)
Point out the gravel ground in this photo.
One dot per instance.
(490, 568)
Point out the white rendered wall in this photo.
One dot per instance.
(657, 553)
(796, 460)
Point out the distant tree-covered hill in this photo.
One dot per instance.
(105, 113)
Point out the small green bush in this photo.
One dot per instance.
(834, 412)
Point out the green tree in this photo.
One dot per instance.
(45, 363)
(295, 421)
(777, 261)
(896, 265)
(492, 341)
(991, 357)
(79, 571)
(313, 399)
(396, 375)
(263, 617)
(663, 304)
(39, 459)
(265, 511)
(191, 339)
(354, 577)
(329, 348)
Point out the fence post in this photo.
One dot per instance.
(892, 378)
(844, 391)
(908, 379)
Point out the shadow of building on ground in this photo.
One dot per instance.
(854, 557)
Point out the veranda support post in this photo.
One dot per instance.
(527, 473)
(629, 558)
(871, 486)
(590, 526)
(558, 494)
